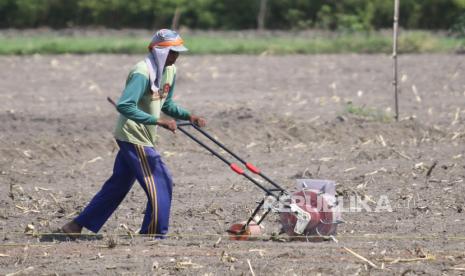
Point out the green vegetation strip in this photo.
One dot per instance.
(367, 113)
(222, 43)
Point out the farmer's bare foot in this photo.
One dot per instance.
(72, 228)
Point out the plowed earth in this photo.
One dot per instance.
(288, 115)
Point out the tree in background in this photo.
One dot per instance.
(348, 15)
(262, 15)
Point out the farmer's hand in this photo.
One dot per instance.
(199, 121)
(168, 124)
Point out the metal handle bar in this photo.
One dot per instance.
(248, 165)
(233, 166)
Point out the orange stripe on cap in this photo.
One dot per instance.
(169, 43)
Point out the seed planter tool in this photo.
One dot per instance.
(310, 213)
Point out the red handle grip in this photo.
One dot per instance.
(252, 168)
(237, 169)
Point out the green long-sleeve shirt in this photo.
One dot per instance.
(140, 108)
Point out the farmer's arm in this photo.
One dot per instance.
(133, 92)
(170, 107)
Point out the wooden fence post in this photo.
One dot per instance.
(394, 56)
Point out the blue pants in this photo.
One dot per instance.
(133, 162)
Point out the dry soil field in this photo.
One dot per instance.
(288, 115)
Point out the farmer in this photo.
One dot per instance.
(149, 90)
